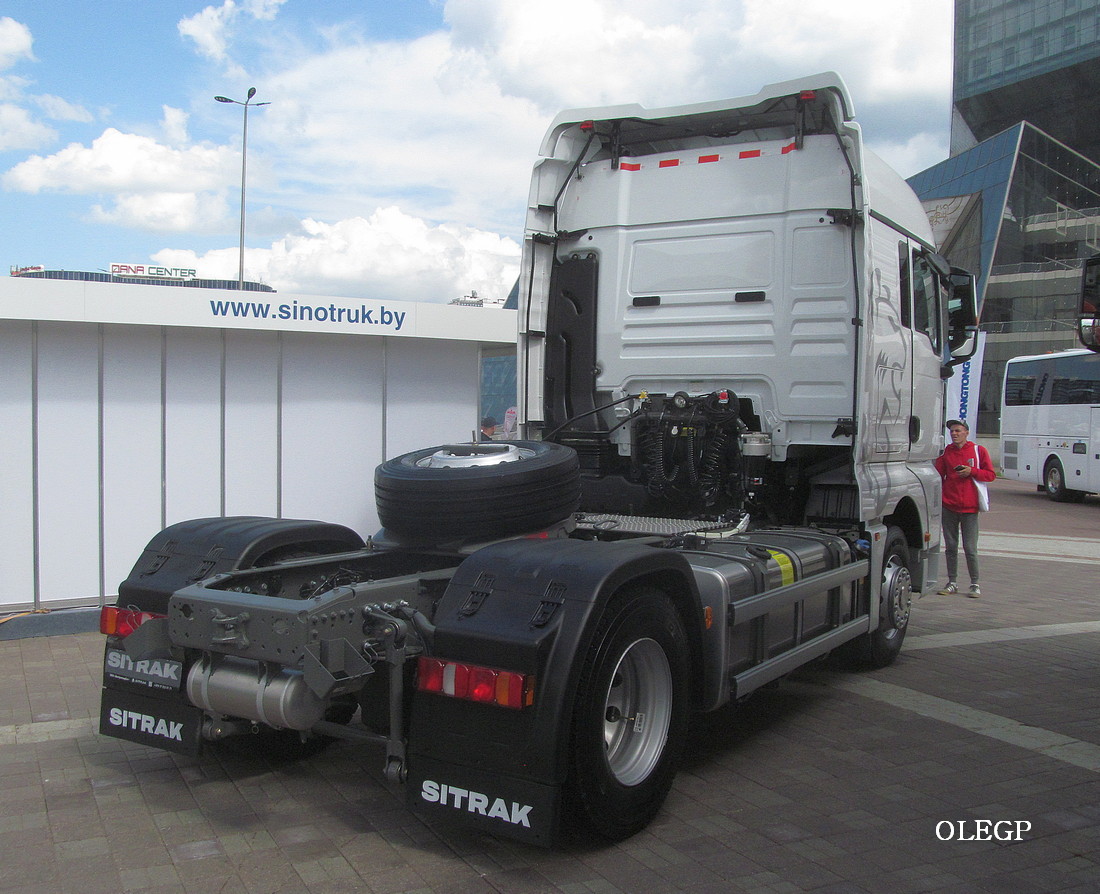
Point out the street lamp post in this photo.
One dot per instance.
(244, 163)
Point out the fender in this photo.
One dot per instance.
(528, 606)
(194, 550)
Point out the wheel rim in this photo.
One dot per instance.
(467, 456)
(1054, 479)
(637, 711)
(898, 583)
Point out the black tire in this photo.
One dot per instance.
(638, 668)
(537, 486)
(1054, 483)
(879, 648)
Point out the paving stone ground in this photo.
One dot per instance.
(832, 782)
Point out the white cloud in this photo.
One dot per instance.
(175, 212)
(174, 126)
(19, 131)
(61, 109)
(208, 28)
(662, 53)
(15, 42)
(390, 255)
(125, 163)
(212, 28)
(18, 128)
(589, 52)
(404, 125)
(907, 157)
(888, 51)
(263, 10)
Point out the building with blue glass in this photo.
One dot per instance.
(1018, 202)
(1027, 60)
(1021, 211)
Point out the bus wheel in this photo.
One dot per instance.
(1054, 481)
(631, 716)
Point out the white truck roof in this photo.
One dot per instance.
(716, 110)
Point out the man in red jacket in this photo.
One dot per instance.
(960, 465)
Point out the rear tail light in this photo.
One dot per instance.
(473, 683)
(115, 621)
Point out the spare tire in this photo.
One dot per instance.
(483, 490)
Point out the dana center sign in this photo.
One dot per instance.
(153, 271)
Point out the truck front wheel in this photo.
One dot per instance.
(631, 715)
(880, 647)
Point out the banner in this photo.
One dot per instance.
(963, 388)
(23, 298)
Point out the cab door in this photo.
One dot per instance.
(923, 319)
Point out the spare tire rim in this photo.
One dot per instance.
(467, 456)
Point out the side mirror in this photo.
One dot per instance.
(938, 263)
(962, 316)
(1088, 314)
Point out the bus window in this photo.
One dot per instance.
(1019, 390)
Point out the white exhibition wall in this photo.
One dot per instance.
(109, 432)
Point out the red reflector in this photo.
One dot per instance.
(630, 166)
(707, 159)
(470, 682)
(115, 621)
(749, 153)
(669, 163)
(429, 674)
(483, 685)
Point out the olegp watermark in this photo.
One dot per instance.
(982, 830)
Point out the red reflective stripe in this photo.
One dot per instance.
(749, 153)
(669, 163)
(705, 159)
(789, 148)
(630, 166)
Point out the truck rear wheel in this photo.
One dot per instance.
(485, 490)
(631, 716)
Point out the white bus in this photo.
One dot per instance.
(1050, 423)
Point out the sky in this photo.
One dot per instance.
(394, 158)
